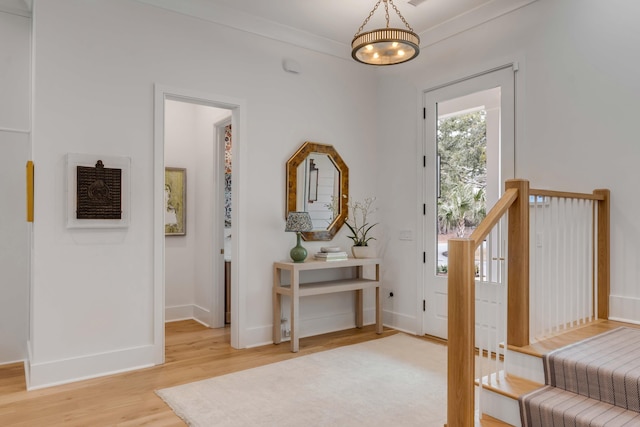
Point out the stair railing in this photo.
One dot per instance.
(567, 233)
(514, 207)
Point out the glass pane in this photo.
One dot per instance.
(462, 177)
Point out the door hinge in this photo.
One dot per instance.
(424, 257)
(424, 305)
(424, 209)
(424, 161)
(424, 113)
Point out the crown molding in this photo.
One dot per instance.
(472, 18)
(17, 7)
(242, 21)
(249, 23)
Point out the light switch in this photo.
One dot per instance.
(406, 235)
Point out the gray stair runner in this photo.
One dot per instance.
(595, 382)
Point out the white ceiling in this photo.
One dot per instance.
(338, 20)
(329, 25)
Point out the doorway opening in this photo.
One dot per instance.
(190, 280)
(469, 153)
(195, 279)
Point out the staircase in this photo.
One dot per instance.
(526, 378)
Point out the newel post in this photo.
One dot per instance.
(603, 257)
(461, 333)
(518, 266)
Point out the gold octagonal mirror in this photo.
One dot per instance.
(318, 183)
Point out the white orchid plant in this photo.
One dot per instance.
(357, 219)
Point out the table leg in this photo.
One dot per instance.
(277, 307)
(295, 310)
(359, 308)
(378, 311)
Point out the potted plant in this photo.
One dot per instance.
(359, 226)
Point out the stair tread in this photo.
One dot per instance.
(552, 403)
(509, 385)
(570, 336)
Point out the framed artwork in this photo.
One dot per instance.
(97, 191)
(175, 201)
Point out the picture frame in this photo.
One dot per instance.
(175, 201)
(75, 161)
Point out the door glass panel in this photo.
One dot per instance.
(461, 170)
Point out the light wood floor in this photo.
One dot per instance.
(193, 352)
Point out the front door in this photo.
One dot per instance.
(469, 152)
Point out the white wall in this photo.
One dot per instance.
(92, 309)
(577, 104)
(15, 48)
(93, 295)
(189, 259)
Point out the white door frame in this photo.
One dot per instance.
(218, 303)
(238, 291)
(463, 87)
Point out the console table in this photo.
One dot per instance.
(296, 289)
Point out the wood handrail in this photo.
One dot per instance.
(566, 194)
(461, 286)
(494, 216)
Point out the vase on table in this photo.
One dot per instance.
(363, 251)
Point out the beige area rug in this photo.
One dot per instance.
(394, 381)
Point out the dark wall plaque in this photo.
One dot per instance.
(99, 194)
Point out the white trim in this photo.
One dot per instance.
(624, 309)
(177, 313)
(455, 88)
(64, 371)
(18, 11)
(332, 322)
(501, 407)
(10, 130)
(242, 21)
(239, 149)
(514, 65)
(218, 315)
(11, 362)
(473, 18)
(525, 366)
(400, 322)
(249, 23)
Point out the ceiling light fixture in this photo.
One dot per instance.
(385, 46)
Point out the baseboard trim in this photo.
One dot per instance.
(262, 335)
(400, 321)
(186, 312)
(624, 309)
(48, 374)
(11, 362)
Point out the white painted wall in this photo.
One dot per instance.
(93, 289)
(189, 259)
(15, 47)
(577, 103)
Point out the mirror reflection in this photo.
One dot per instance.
(317, 180)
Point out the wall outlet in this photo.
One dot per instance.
(287, 333)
